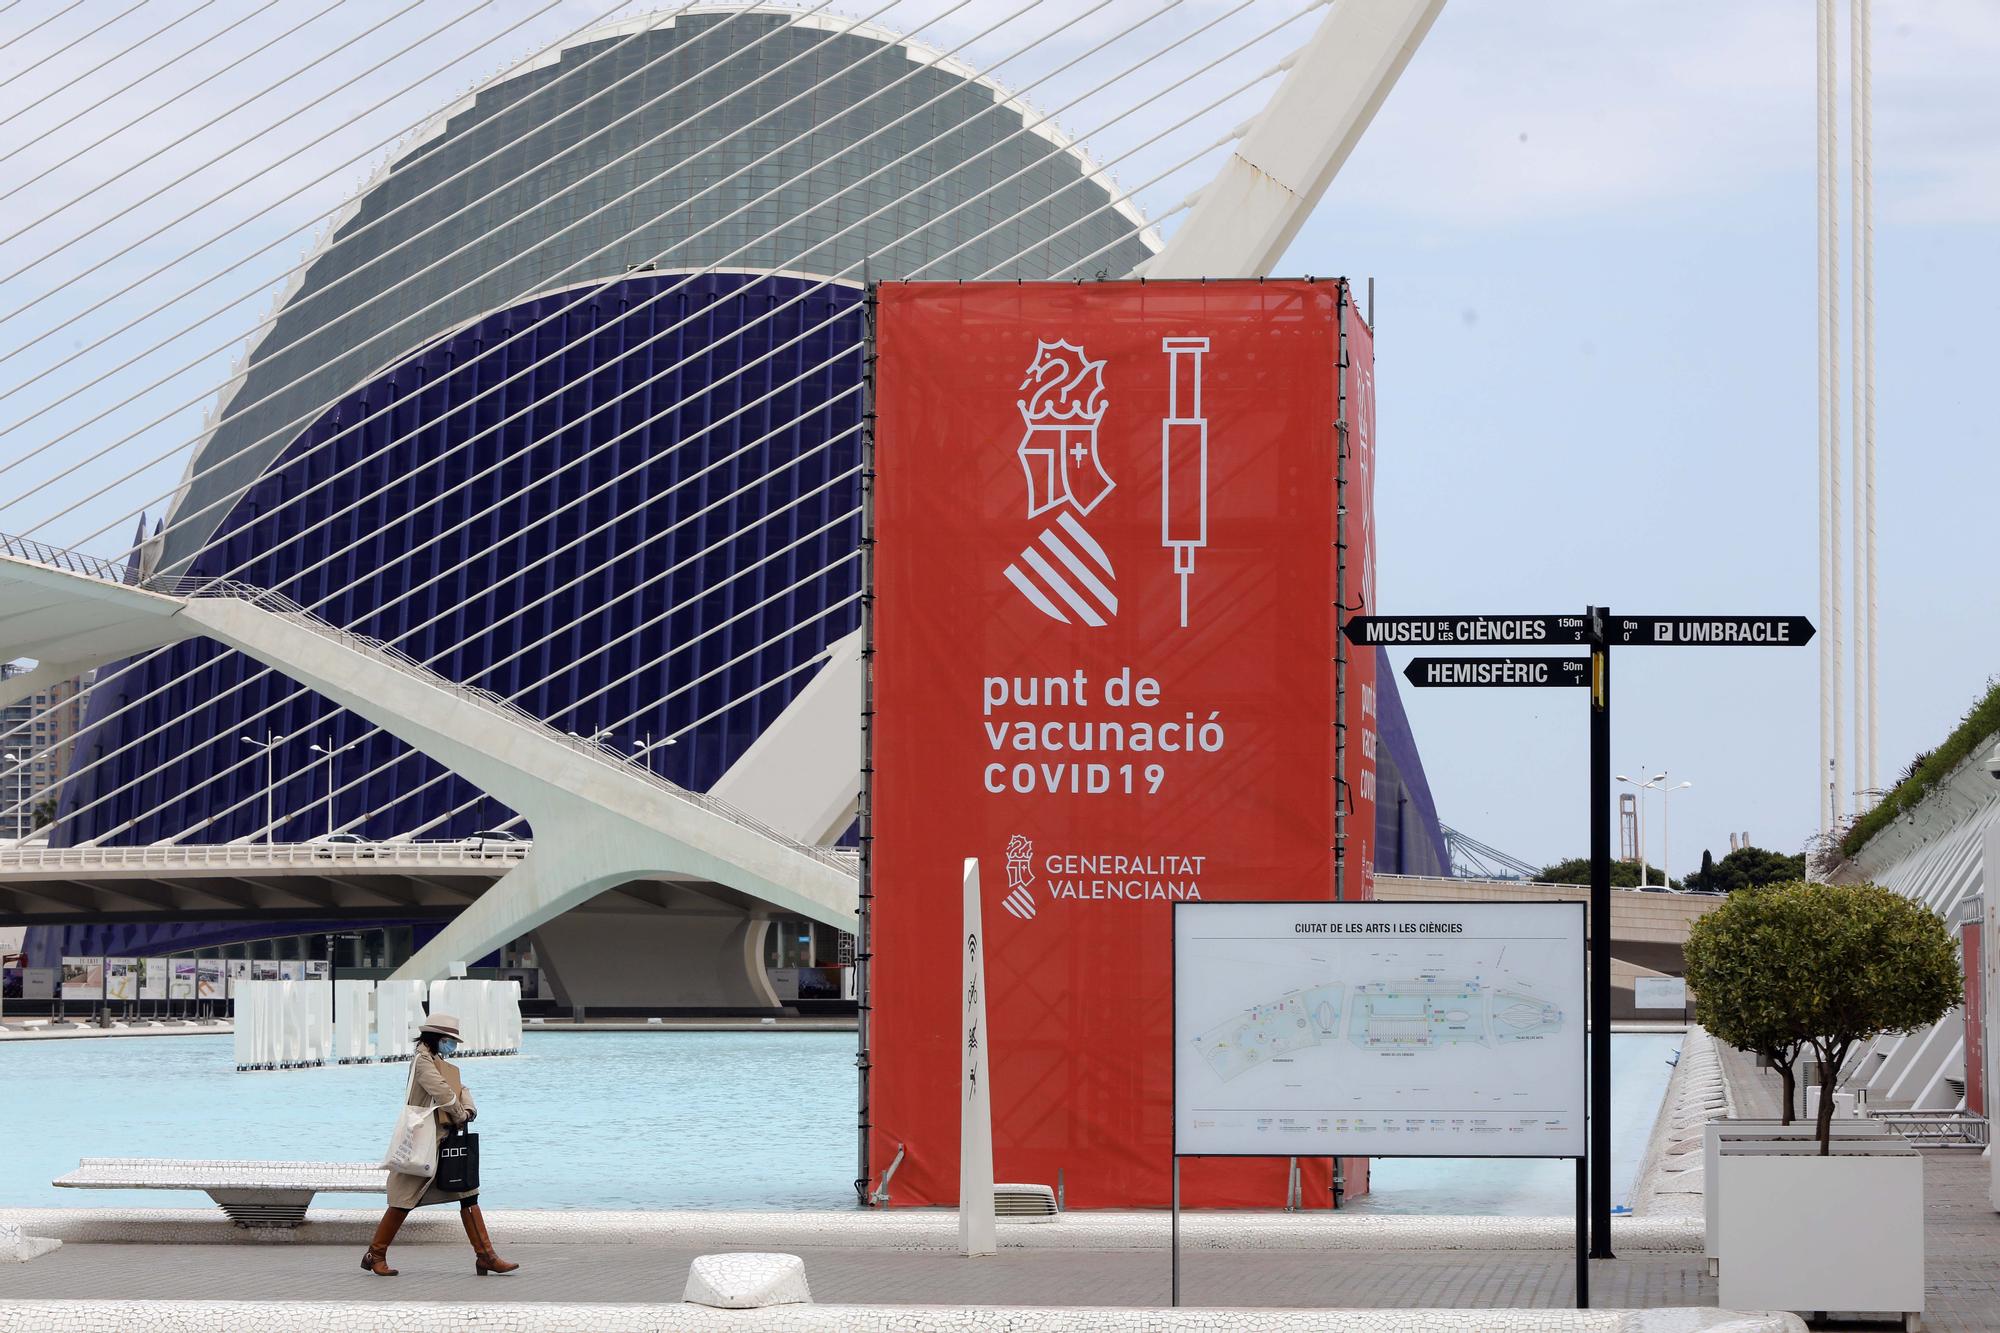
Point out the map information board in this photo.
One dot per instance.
(1379, 1029)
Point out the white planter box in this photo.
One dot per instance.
(1805, 1232)
(1763, 1131)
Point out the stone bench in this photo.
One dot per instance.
(253, 1194)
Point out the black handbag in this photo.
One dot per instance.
(458, 1162)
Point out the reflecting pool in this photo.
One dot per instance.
(577, 1120)
(761, 1120)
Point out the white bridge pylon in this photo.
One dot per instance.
(598, 821)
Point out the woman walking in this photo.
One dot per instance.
(435, 1083)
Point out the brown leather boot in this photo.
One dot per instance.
(376, 1260)
(484, 1259)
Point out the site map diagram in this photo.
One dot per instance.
(1463, 1040)
(1424, 1012)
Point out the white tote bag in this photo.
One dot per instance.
(413, 1148)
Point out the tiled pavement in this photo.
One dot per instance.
(1486, 1278)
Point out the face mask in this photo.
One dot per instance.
(448, 1047)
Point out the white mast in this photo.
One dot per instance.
(1829, 436)
(1865, 658)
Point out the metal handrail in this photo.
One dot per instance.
(1941, 1129)
(276, 603)
(75, 562)
(191, 855)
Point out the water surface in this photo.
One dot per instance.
(577, 1120)
(1639, 1072)
(759, 1120)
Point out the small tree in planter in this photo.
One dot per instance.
(1829, 966)
(1739, 963)
(1873, 962)
(1825, 965)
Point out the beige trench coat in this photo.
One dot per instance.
(436, 1082)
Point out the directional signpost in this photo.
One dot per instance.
(1601, 630)
(1712, 631)
(1459, 631)
(1518, 672)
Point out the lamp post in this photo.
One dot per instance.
(1666, 846)
(329, 750)
(18, 766)
(1648, 785)
(646, 748)
(267, 745)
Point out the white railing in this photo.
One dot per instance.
(41, 553)
(197, 856)
(276, 603)
(1937, 1129)
(1526, 886)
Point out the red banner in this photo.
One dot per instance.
(1359, 590)
(1974, 1009)
(1107, 587)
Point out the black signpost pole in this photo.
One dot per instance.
(1600, 934)
(1582, 1233)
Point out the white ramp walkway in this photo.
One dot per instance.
(598, 821)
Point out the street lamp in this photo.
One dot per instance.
(646, 748)
(267, 745)
(1648, 785)
(330, 750)
(1666, 846)
(19, 767)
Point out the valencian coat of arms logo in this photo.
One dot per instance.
(1065, 573)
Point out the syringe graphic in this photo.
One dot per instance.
(1184, 460)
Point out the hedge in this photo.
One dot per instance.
(1980, 722)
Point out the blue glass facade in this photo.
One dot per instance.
(622, 555)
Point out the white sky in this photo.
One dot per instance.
(1591, 229)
